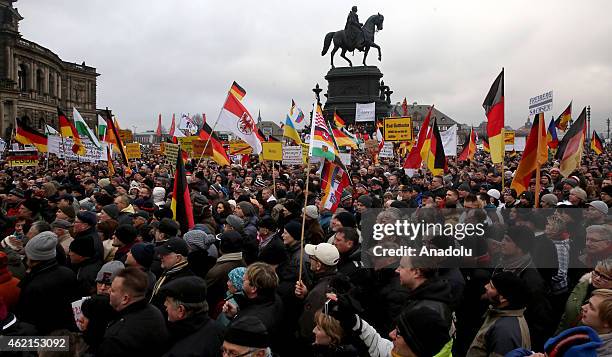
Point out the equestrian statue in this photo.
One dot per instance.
(355, 36)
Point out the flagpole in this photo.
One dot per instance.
(273, 180)
(304, 216)
(538, 184)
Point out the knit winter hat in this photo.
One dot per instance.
(68, 211)
(126, 234)
(236, 222)
(42, 246)
(312, 211)
(88, 217)
(294, 229)
(550, 199)
(198, 240)
(236, 276)
(581, 341)
(513, 288)
(111, 210)
(83, 246)
(365, 200)
(231, 242)
(247, 208)
(522, 236)
(423, 330)
(143, 253)
(159, 194)
(248, 331)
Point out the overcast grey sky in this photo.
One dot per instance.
(176, 56)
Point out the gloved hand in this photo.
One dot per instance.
(340, 308)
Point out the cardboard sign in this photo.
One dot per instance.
(387, 150)
(187, 142)
(509, 136)
(198, 146)
(78, 313)
(126, 136)
(132, 151)
(305, 149)
(240, 147)
(398, 129)
(272, 151)
(292, 155)
(171, 152)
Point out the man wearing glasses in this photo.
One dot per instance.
(246, 337)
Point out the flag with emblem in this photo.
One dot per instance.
(321, 142)
(235, 118)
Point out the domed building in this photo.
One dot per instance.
(34, 81)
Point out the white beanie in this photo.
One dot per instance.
(159, 194)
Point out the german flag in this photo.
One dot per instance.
(596, 144)
(563, 120)
(219, 155)
(414, 159)
(494, 109)
(68, 130)
(109, 162)
(485, 145)
(470, 148)
(433, 151)
(237, 91)
(534, 155)
(112, 137)
(30, 136)
(571, 146)
(182, 210)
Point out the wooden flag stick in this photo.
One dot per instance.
(273, 180)
(304, 219)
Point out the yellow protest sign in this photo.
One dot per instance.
(509, 137)
(132, 151)
(398, 129)
(126, 136)
(305, 149)
(272, 151)
(240, 147)
(171, 152)
(186, 142)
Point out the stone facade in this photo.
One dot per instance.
(34, 81)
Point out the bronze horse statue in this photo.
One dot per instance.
(365, 41)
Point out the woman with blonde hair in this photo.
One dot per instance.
(329, 336)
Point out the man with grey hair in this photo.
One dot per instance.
(598, 245)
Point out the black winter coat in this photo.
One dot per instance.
(196, 336)
(47, 292)
(86, 273)
(140, 330)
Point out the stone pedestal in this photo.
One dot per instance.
(350, 85)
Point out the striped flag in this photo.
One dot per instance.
(237, 91)
(219, 155)
(290, 132)
(470, 148)
(27, 135)
(596, 144)
(338, 121)
(68, 130)
(334, 179)
(433, 151)
(494, 109)
(414, 159)
(321, 142)
(83, 129)
(182, 210)
(534, 155)
(551, 135)
(101, 128)
(571, 146)
(112, 137)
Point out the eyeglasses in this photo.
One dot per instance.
(599, 275)
(233, 354)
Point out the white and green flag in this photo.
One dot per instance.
(101, 128)
(83, 129)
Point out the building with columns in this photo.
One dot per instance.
(34, 81)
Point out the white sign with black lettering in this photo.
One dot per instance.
(541, 103)
(365, 112)
(387, 150)
(292, 155)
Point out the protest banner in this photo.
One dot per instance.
(187, 143)
(239, 147)
(509, 139)
(386, 151)
(365, 112)
(132, 151)
(22, 158)
(171, 152)
(272, 151)
(292, 155)
(63, 150)
(198, 146)
(398, 129)
(305, 149)
(126, 136)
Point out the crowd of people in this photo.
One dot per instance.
(267, 271)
